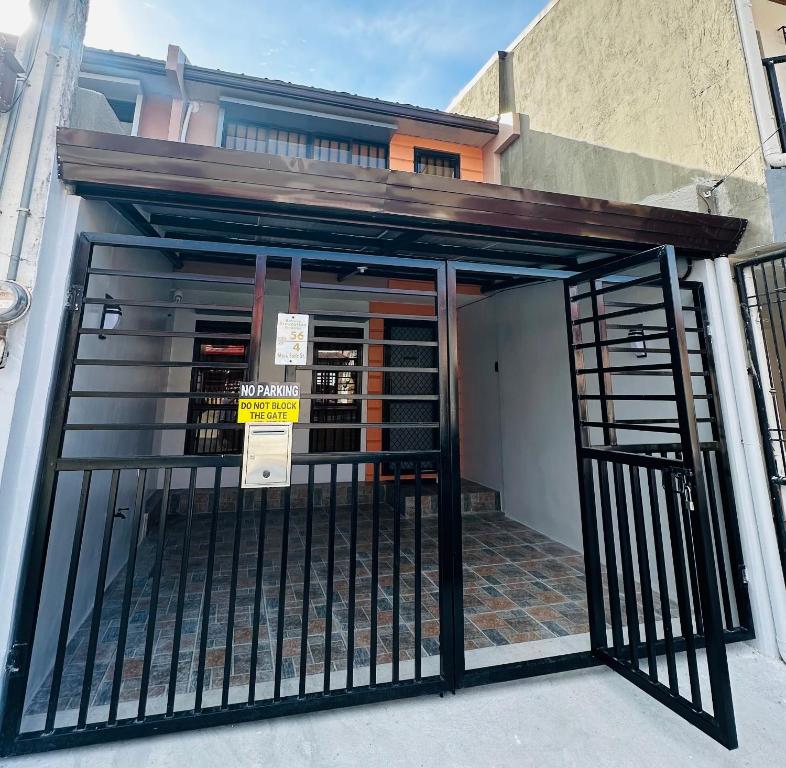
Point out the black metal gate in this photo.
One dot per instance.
(161, 595)
(761, 283)
(645, 465)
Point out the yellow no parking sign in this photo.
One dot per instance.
(269, 403)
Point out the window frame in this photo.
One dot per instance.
(424, 151)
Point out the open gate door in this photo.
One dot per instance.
(654, 606)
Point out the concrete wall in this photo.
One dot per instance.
(659, 101)
(203, 124)
(99, 217)
(92, 113)
(537, 446)
(479, 394)
(154, 117)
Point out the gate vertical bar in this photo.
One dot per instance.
(181, 594)
(133, 546)
(98, 600)
(451, 587)
(68, 603)
(257, 316)
(589, 528)
(710, 604)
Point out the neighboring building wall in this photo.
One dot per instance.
(402, 155)
(92, 113)
(664, 97)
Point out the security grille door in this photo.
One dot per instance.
(650, 550)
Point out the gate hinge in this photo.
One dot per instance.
(744, 573)
(16, 658)
(74, 299)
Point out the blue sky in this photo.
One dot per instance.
(416, 52)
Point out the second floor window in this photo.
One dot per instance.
(271, 141)
(278, 141)
(437, 163)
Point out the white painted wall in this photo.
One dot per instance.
(537, 446)
(479, 393)
(99, 217)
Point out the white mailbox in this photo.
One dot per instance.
(267, 455)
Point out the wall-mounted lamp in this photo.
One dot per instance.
(637, 343)
(110, 316)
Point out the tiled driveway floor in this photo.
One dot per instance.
(519, 586)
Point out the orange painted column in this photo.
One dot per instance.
(376, 355)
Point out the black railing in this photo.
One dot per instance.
(770, 67)
(761, 284)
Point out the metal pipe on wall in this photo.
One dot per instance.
(35, 144)
(19, 97)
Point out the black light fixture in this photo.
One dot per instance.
(110, 316)
(637, 342)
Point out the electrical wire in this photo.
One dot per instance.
(21, 83)
(492, 294)
(745, 160)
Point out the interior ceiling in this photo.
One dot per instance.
(272, 229)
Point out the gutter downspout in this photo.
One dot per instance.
(193, 106)
(747, 461)
(762, 107)
(35, 145)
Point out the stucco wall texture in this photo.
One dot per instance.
(664, 83)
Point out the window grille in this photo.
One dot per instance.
(271, 141)
(437, 163)
(278, 141)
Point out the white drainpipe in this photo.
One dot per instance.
(750, 481)
(193, 106)
(762, 106)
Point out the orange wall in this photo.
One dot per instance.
(202, 124)
(376, 355)
(402, 155)
(154, 119)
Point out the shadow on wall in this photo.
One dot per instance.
(552, 163)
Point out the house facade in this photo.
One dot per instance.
(515, 443)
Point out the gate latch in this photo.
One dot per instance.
(682, 486)
(16, 658)
(74, 299)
